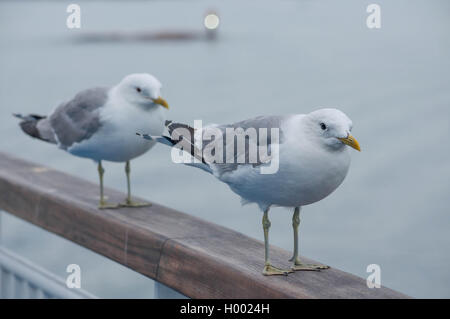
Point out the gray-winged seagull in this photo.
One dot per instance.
(313, 160)
(100, 124)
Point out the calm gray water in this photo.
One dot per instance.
(272, 57)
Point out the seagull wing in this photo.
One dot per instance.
(79, 118)
(204, 145)
(256, 134)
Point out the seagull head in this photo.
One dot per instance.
(142, 89)
(332, 127)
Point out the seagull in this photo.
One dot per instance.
(313, 160)
(100, 124)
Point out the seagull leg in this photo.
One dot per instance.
(129, 202)
(103, 204)
(298, 265)
(270, 270)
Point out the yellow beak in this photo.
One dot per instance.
(351, 141)
(161, 102)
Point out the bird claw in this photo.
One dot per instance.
(308, 267)
(104, 205)
(270, 270)
(131, 204)
(298, 265)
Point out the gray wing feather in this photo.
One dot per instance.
(37, 126)
(229, 162)
(231, 156)
(45, 130)
(264, 121)
(79, 118)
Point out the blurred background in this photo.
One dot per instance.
(267, 57)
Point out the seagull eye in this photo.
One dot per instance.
(139, 90)
(323, 126)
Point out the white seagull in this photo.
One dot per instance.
(313, 160)
(100, 124)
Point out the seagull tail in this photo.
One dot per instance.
(181, 136)
(36, 126)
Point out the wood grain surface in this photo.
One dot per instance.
(193, 256)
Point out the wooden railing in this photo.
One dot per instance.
(197, 258)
